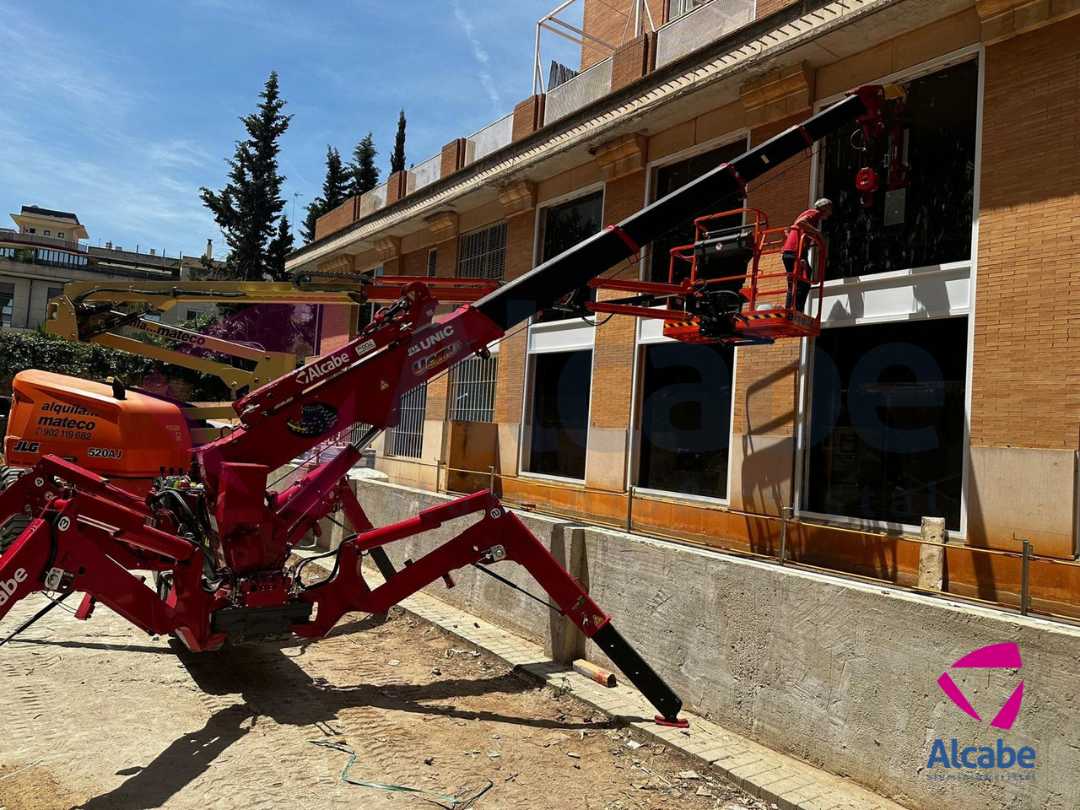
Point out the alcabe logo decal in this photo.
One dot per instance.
(993, 656)
(999, 761)
(9, 586)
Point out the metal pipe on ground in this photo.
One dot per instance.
(594, 673)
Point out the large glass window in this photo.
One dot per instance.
(482, 253)
(686, 418)
(676, 175)
(928, 220)
(887, 421)
(560, 413)
(563, 226)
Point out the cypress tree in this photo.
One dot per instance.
(365, 176)
(249, 207)
(280, 247)
(314, 211)
(335, 190)
(335, 187)
(397, 159)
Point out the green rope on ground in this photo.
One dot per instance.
(443, 800)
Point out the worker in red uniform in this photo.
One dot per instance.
(809, 221)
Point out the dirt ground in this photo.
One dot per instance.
(95, 715)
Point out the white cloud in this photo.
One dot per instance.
(479, 54)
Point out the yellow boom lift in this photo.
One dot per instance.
(100, 312)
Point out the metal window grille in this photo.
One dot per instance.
(407, 439)
(357, 432)
(472, 389)
(482, 253)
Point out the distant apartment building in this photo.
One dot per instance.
(47, 249)
(946, 379)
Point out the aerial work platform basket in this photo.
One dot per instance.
(731, 285)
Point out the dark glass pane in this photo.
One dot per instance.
(677, 175)
(686, 418)
(560, 413)
(562, 227)
(567, 224)
(929, 221)
(887, 421)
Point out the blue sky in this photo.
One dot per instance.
(120, 110)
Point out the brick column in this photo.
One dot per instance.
(633, 61)
(397, 186)
(528, 117)
(762, 453)
(622, 163)
(453, 157)
(519, 204)
(1025, 391)
(767, 7)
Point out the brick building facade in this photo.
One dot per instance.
(945, 381)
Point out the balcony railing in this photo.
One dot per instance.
(700, 27)
(490, 139)
(426, 173)
(8, 235)
(569, 96)
(372, 201)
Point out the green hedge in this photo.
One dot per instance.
(22, 350)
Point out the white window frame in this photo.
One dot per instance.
(694, 5)
(651, 331)
(952, 272)
(566, 335)
(541, 208)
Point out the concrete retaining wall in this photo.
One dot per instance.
(841, 674)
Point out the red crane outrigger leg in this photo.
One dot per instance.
(499, 535)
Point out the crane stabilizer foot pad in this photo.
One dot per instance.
(676, 723)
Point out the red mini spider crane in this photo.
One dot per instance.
(218, 542)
